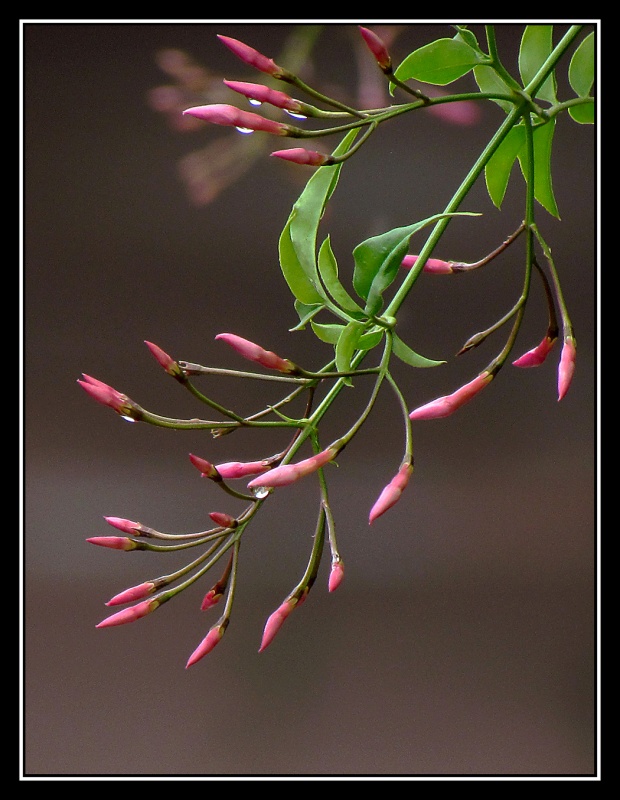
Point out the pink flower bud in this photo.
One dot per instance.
(567, 366)
(208, 643)
(275, 622)
(377, 48)
(220, 114)
(263, 94)
(108, 396)
(252, 57)
(289, 473)
(125, 525)
(206, 468)
(166, 361)
(211, 598)
(536, 356)
(223, 520)
(391, 493)
(444, 406)
(300, 155)
(253, 352)
(129, 614)
(239, 469)
(135, 593)
(114, 542)
(434, 266)
(336, 575)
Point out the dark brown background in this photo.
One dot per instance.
(462, 641)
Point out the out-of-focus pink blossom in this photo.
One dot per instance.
(377, 48)
(256, 353)
(435, 266)
(444, 406)
(134, 593)
(222, 114)
(114, 542)
(391, 493)
(208, 643)
(251, 56)
(264, 94)
(336, 575)
(289, 473)
(299, 155)
(130, 614)
(567, 366)
(536, 356)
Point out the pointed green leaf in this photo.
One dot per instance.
(328, 269)
(489, 81)
(543, 188)
(469, 37)
(306, 313)
(439, 62)
(409, 356)
(377, 260)
(581, 78)
(536, 47)
(498, 169)
(297, 245)
(347, 345)
(331, 332)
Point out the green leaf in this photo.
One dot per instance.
(347, 345)
(409, 356)
(328, 269)
(498, 169)
(536, 47)
(331, 332)
(297, 245)
(469, 37)
(581, 78)
(306, 313)
(543, 188)
(489, 81)
(439, 62)
(378, 259)
(581, 67)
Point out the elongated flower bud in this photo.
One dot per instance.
(536, 356)
(391, 493)
(240, 469)
(223, 520)
(252, 57)
(208, 643)
(275, 622)
(212, 597)
(256, 353)
(567, 366)
(300, 155)
(444, 406)
(377, 48)
(125, 525)
(336, 575)
(134, 593)
(206, 468)
(221, 114)
(166, 361)
(289, 473)
(114, 542)
(108, 396)
(434, 266)
(129, 614)
(263, 94)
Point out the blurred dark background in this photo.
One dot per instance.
(462, 641)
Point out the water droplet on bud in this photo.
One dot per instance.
(295, 115)
(254, 102)
(127, 419)
(260, 492)
(245, 130)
